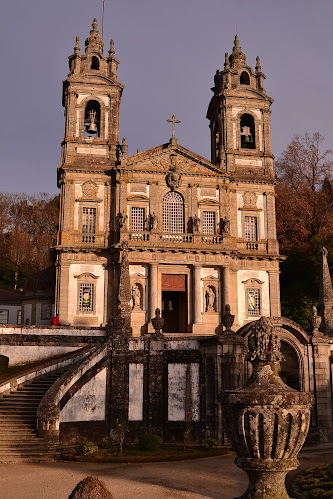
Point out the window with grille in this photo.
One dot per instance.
(137, 219)
(88, 220)
(3, 316)
(86, 297)
(251, 229)
(253, 301)
(46, 311)
(208, 222)
(173, 212)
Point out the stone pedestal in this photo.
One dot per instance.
(266, 421)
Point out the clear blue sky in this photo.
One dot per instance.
(169, 52)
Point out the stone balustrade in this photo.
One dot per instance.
(49, 409)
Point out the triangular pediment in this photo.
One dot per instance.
(166, 157)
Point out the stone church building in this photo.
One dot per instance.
(164, 260)
(200, 233)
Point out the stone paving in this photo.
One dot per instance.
(215, 478)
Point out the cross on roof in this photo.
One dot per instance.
(173, 121)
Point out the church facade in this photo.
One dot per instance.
(164, 262)
(201, 234)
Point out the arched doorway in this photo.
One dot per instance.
(289, 371)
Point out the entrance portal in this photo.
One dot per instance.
(174, 303)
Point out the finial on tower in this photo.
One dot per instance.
(237, 58)
(226, 61)
(77, 45)
(94, 41)
(258, 65)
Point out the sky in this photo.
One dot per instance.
(169, 52)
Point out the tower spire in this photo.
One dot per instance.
(325, 305)
(94, 42)
(237, 58)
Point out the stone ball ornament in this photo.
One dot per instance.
(266, 421)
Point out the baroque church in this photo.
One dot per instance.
(164, 260)
(201, 234)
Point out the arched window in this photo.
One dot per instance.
(94, 62)
(173, 212)
(92, 117)
(247, 132)
(244, 78)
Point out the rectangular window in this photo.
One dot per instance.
(86, 297)
(3, 316)
(19, 317)
(208, 222)
(88, 220)
(46, 311)
(253, 301)
(251, 229)
(137, 219)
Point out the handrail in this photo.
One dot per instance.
(48, 412)
(11, 383)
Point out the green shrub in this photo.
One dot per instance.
(106, 443)
(90, 488)
(89, 448)
(150, 442)
(209, 443)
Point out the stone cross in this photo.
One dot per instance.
(173, 121)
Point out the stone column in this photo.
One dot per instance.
(196, 294)
(271, 223)
(153, 289)
(274, 293)
(321, 373)
(225, 274)
(64, 293)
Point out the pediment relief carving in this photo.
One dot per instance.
(137, 275)
(164, 160)
(253, 281)
(86, 275)
(137, 197)
(210, 278)
(208, 201)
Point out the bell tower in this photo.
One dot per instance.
(239, 115)
(90, 153)
(91, 98)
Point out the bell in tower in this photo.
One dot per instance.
(240, 112)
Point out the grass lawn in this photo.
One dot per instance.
(315, 483)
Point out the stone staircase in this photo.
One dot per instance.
(18, 438)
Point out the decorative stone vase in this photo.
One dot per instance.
(266, 421)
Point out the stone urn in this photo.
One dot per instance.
(266, 421)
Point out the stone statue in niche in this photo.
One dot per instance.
(196, 223)
(153, 221)
(315, 320)
(121, 219)
(136, 296)
(225, 225)
(210, 299)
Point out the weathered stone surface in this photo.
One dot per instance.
(266, 421)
